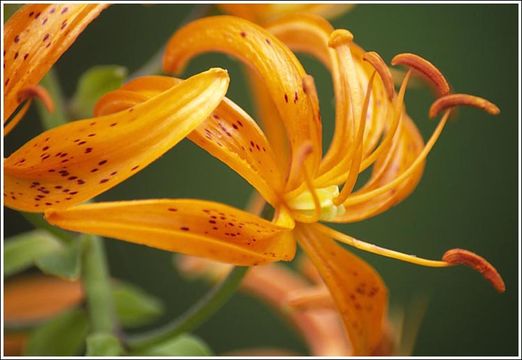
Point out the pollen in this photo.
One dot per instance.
(425, 68)
(453, 100)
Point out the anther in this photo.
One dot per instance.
(425, 68)
(382, 69)
(452, 100)
(478, 263)
(340, 37)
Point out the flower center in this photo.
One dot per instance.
(304, 203)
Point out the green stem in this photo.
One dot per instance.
(95, 273)
(196, 315)
(95, 277)
(59, 115)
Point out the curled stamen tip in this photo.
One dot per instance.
(425, 68)
(39, 92)
(478, 263)
(308, 84)
(379, 65)
(340, 37)
(452, 100)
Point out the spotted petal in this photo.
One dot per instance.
(229, 134)
(191, 227)
(34, 38)
(276, 65)
(77, 161)
(357, 289)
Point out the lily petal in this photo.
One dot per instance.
(229, 134)
(192, 227)
(77, 161)
(310, 34)
(273, 62)
(357, 289)
(34, 39)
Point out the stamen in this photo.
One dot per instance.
(374, 249)
(356, 199)
(425, 68)
(478, 263)
(452, 100)
(358, 145)
(382, 69)
(304, 151)
(387, 141)
(28, 93)
(16, 117)
(39, 92)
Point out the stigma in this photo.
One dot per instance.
(303, 203)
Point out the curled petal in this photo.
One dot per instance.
(229, 134)
(191, 227)
(77, 161)
(276, 65)
(311, 34)
(357, 289)
(34, 38)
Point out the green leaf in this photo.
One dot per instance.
(63, 335)
(21, 251)
(66, 262)
(182, 345)
(135, 307)
(103, 344)
(94, 83)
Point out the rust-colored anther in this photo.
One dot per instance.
(452, 100)
(382, 69)
(36, 91)
(478, 263)
(340, 37)
(425, 68)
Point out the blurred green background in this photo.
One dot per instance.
(467, 197)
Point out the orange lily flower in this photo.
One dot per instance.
(74, 162)
(299, 183)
